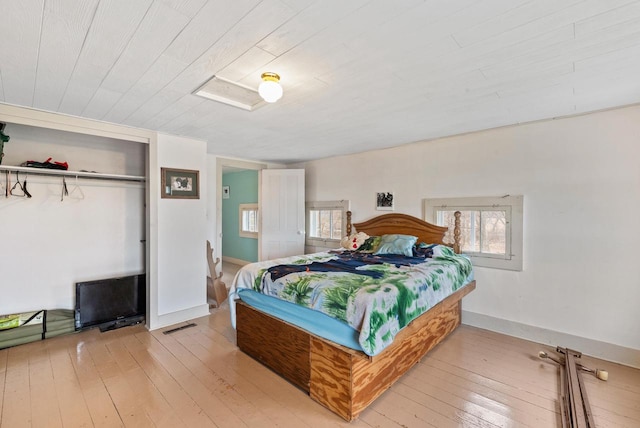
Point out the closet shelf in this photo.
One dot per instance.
(79, 174)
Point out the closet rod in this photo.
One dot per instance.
(79, 174)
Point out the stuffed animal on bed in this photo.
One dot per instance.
(353, 242)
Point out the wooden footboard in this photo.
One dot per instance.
(342, 379)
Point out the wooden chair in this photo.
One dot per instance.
(216, 289)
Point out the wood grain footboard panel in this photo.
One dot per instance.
(342, 379)
(282, 347)
(347, 382)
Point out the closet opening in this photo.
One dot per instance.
(83, 223)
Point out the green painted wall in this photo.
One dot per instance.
(243, 189)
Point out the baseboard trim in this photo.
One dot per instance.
(235, 261)
(606, 351)
(171, 318)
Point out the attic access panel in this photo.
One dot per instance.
(230, 93)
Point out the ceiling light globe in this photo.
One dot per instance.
(270, 91)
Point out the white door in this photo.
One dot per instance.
(281, 202)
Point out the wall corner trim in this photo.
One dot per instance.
(235, 261)
(594, 348)
(178, 317)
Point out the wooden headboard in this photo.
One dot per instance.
(406, 225)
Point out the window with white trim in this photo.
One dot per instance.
(248, 220)
(326, 223)
(491, 228)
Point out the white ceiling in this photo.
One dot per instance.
(358, 75)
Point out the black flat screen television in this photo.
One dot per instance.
(110, 303)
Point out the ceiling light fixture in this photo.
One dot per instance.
(270, 89)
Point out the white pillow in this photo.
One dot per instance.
(353, 242)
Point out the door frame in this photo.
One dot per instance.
(221, 164)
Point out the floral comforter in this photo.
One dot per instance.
(375, 294)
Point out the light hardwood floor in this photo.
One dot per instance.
(197, 378)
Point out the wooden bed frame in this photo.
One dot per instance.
(344, 380)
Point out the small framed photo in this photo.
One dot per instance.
(226, 192)
(384, 201)
(180, 183)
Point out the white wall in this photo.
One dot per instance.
(178, 229)
(580, 180)
(47, 245)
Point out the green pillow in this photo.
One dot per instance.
(396, 244)
(370, 245)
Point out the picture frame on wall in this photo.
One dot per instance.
(180, 183)
(226, 192)
(384, 201)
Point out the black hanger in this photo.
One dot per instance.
(19, 188)
(65, 191)
(24, 187)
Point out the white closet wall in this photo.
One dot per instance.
(46, 245)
